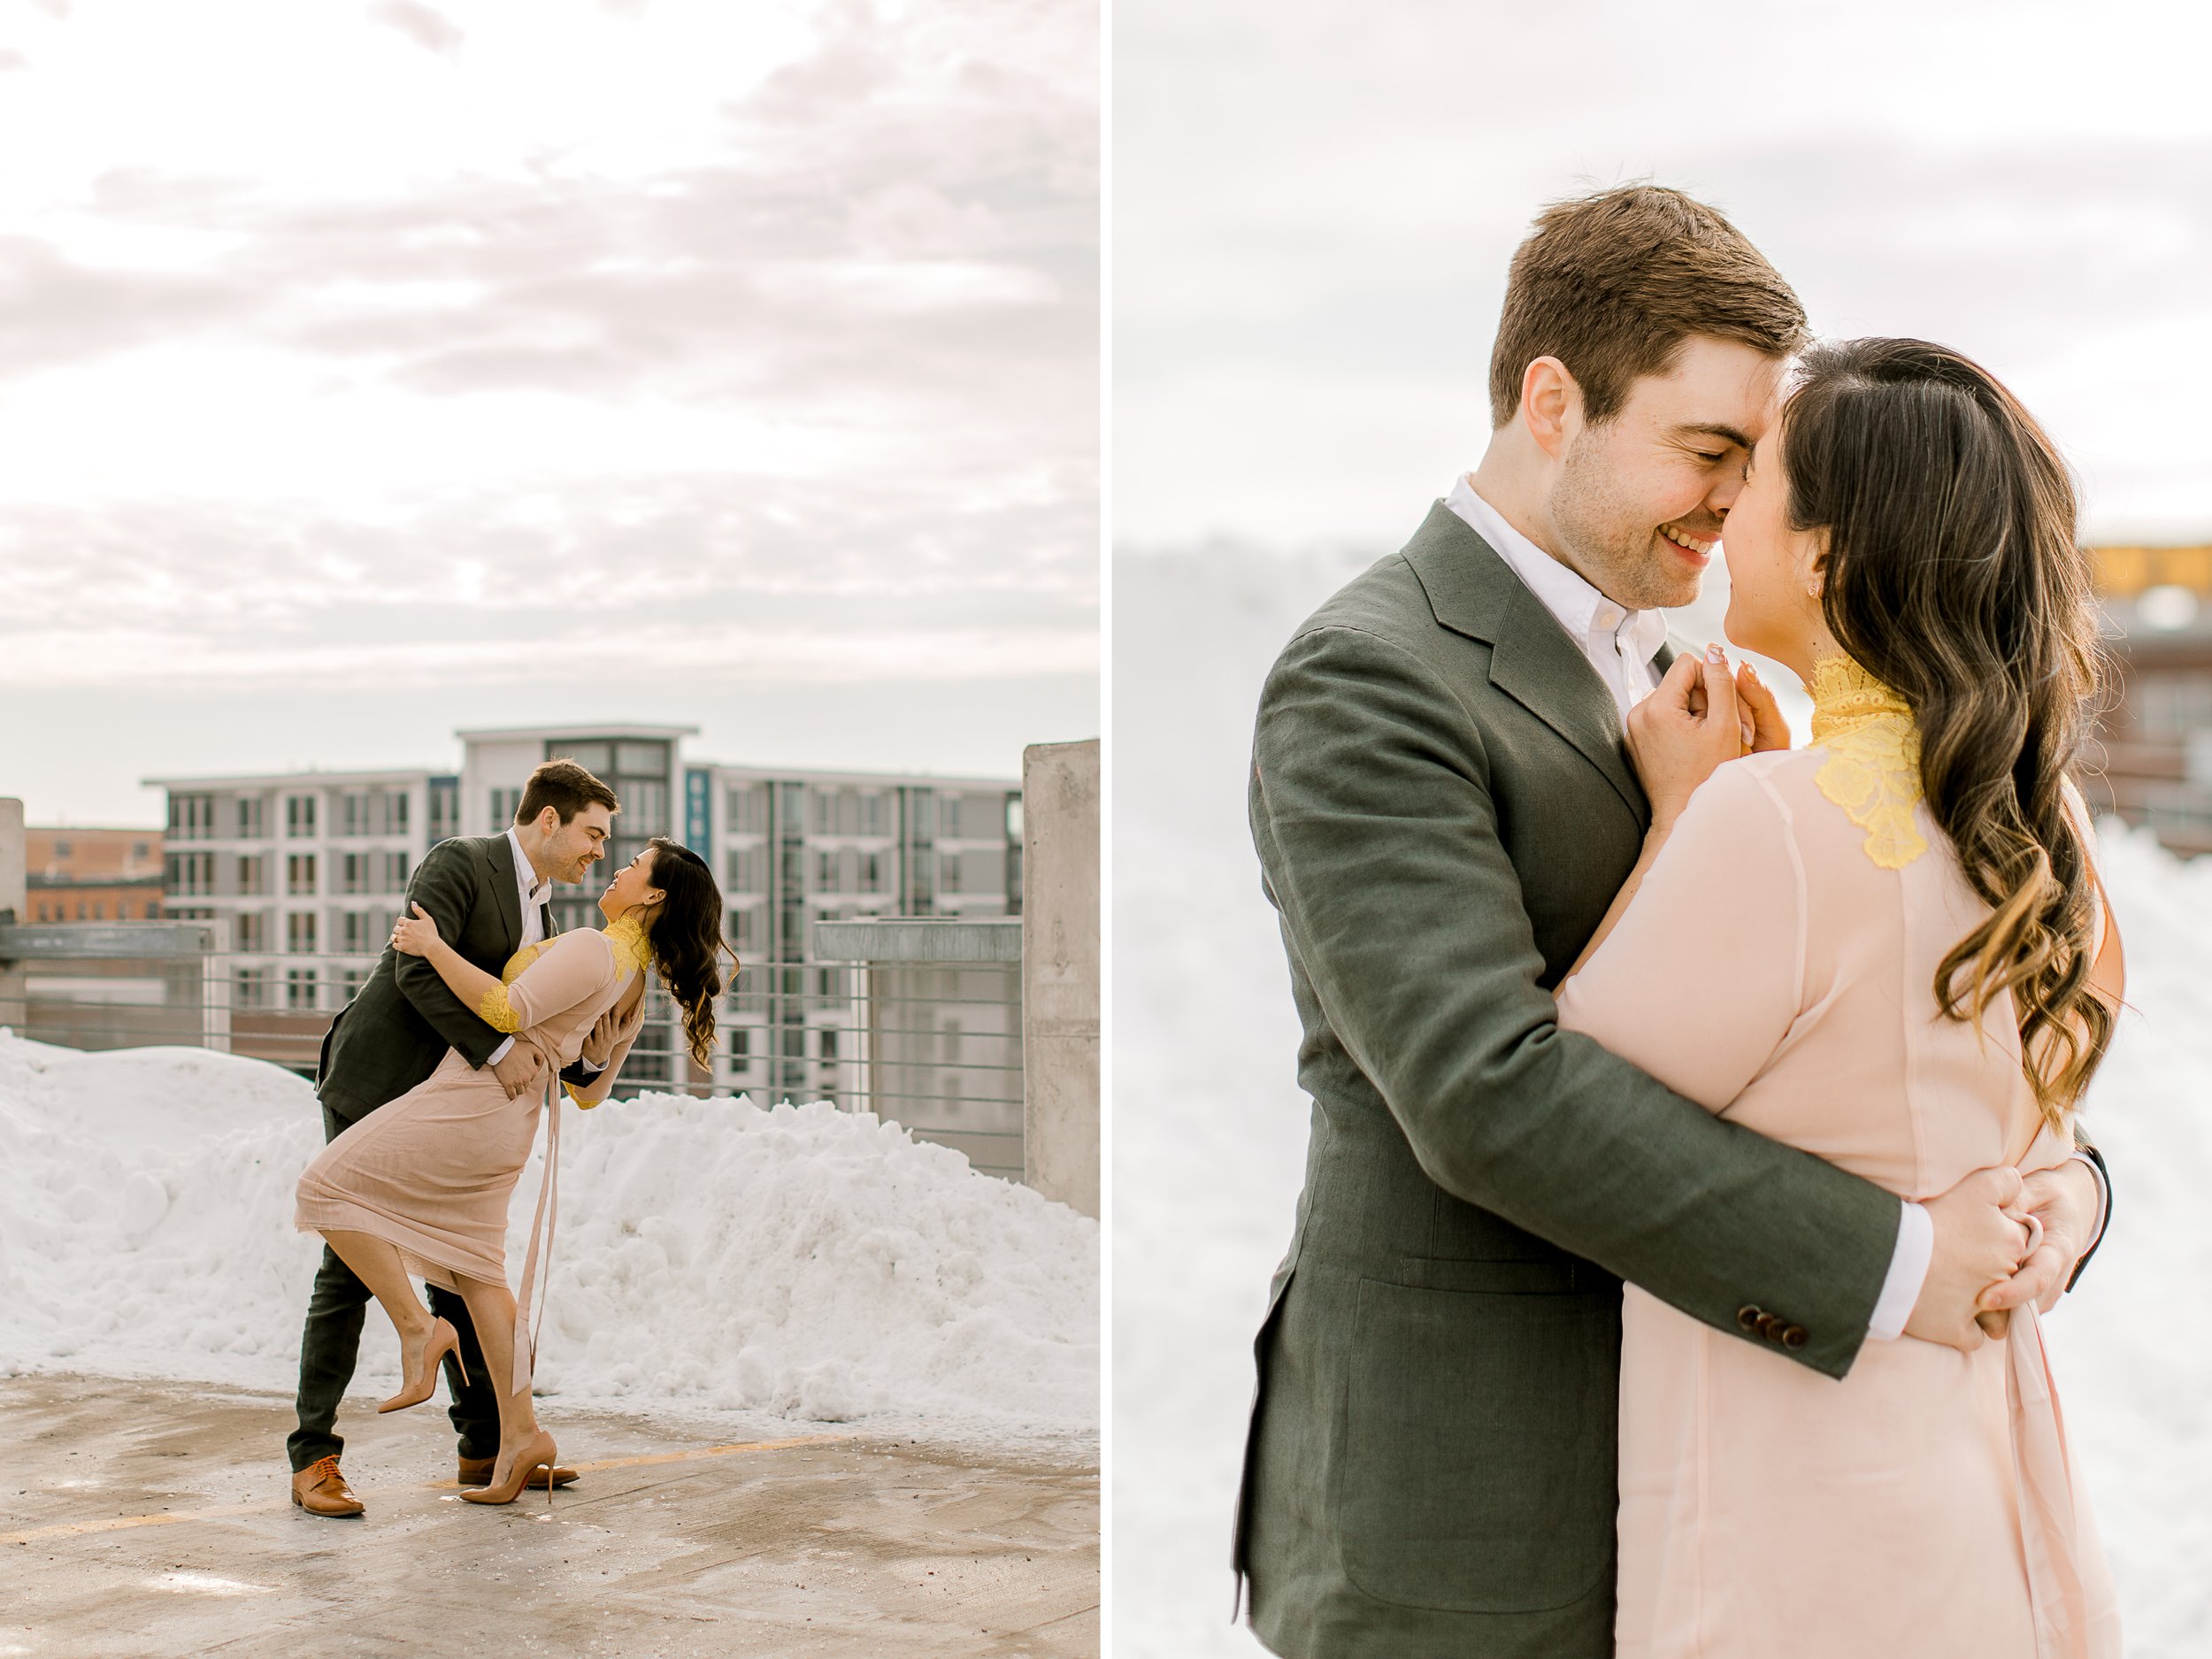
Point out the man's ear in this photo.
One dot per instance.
(1551, 404)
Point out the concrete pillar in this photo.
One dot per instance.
(1060, 971)
(14, 907)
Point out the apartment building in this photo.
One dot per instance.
(305, 873)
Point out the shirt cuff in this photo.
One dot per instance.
(593, 1070)
(2104, 1199)
(1907, 1273)
(500, 1053)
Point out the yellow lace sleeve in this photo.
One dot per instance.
(1874, 775)
(496, 1011)
(1873, 766)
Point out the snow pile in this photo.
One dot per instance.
(1208, 1172)
(801, 1261)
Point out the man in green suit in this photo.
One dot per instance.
(1444, 809)
(490, 896)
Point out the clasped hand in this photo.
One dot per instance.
(1989, 1259)
(1700, 716)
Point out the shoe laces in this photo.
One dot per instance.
(324, 1469)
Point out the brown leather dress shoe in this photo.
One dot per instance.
(320, 1489)
(477, 1471)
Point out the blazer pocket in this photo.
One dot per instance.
(1478, 1466)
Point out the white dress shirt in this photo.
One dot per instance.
(534, 893)
(1621, 644)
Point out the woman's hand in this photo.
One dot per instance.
(414, 935)
(1758, 715)
(611, 1030)
(1680, 733)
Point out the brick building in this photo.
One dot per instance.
(2154, 762)
(92, 875)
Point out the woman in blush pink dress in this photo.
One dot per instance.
(421, 1186)
(1889, 948)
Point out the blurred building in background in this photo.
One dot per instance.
(92, 875)
(303, 873)
(2154, 764)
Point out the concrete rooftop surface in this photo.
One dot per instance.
(143, 1520)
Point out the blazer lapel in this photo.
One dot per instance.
(1474, 592)
(499, 853)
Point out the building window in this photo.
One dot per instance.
(445, 808)
(191, 816)
(872, 813)
(299, 933)
(249, 987)
(644, 806)
(871, 872)
(745, 806)
(353, 813)
(826, 873)
(948, 872)
(299, 874)
(252, 873)
(829, 1042)
(299, 988)
(299, 817)
(153, 909)
(350, 983)
(249, 932)
(505, 805)
(353, 873)
(249, 818)
(396, 815)
(191, 873)
(394, 872)
(951, 828)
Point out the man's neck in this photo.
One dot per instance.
(1504, 481)
(531, 851)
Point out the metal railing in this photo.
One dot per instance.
(930, 1042)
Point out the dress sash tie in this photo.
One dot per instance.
(541, 1251)
(2069, 1588)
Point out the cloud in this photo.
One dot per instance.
(13, 61)
(431, 30)
(56, 311)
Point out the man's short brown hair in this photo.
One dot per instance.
(565, 787)
(1612, 284)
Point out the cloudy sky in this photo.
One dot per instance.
(373, 369)
(1314, 207)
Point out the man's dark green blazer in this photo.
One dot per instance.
(1444, 809)
(399, 1025)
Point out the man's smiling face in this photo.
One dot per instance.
(1637, 503)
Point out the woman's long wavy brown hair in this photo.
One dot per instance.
(685, 936)
(1952, 575)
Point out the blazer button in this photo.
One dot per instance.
(1793, 1336)
(1768, 1326)
(1748, 1317)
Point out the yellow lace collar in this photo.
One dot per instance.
(1873, 766)
(632, 950)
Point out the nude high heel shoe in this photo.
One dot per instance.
(537, 1453)
(444, 1340)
